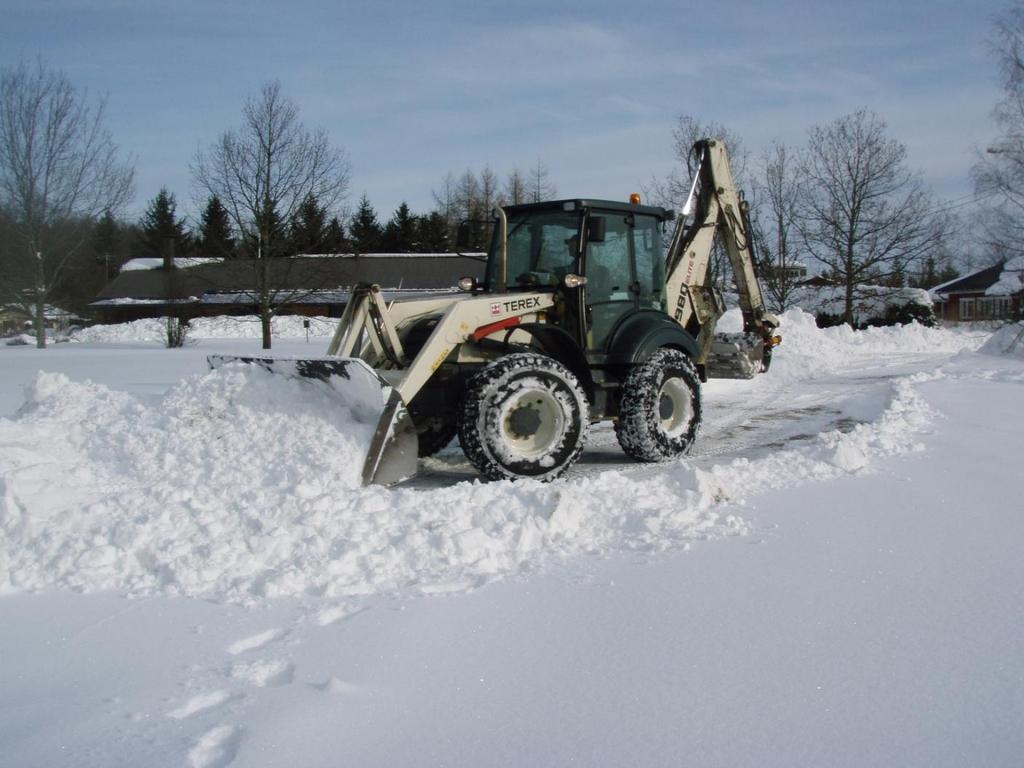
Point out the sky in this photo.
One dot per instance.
(412, 91)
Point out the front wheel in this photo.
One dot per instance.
(660, 409)
(524, 415)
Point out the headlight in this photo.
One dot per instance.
(574, 281)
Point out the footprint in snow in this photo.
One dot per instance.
(335, 686)
(264, 672)
(338, 613)
(255, 642)
(216, 748)
(201, 703)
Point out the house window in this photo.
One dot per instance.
(985, 308)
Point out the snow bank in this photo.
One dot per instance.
(1007, 340)
(101, 491)
(240, 485)
(808, 350)
(218, 327)
(838, 453)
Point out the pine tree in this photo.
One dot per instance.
(268, 236)
(161, 227)
(215, 238)
(432, 233)
(365, 229)
(400, 234)
(308, 227)
(334, 237)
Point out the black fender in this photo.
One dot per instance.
(640, 334)
(557, 343)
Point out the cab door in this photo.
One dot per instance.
(625, 273)
(649, 263)
(609, 291)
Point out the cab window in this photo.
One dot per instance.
(542, 249)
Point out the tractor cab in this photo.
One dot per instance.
(602, 259)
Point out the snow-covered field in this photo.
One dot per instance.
(191, 575)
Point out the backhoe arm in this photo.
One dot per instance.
(717, 207)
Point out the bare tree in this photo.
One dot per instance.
(514, 192)
(999, 173)
(489, 193)
(776, 225)
(445, 201)
(866, 216)
(472, 197)
(467, 196)
(540, 186)
(59, 172)
(262, 172)
(672, 190)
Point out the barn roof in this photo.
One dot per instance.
(322, 275)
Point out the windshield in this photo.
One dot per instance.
(542, 247)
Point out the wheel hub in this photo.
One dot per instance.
(675, 409)
(524, 421)
(533, 423)
(665, 407)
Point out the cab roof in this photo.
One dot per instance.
(575, 204)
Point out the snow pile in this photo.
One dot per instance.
(101, 491)
(217, 327)
(807, 350)
(240, 485)
(1007, 340)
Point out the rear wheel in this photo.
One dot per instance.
(660, 409)
(524, 415)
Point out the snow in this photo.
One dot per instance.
(193, 575)
(217, 327)
(1011, 279)
(149, 262)
(870, 301)
(1006, 340)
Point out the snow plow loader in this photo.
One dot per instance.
(582, 315)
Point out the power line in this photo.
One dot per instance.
(961, 202)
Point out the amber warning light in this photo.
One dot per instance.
(634, 198)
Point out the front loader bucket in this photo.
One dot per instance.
(391, 455)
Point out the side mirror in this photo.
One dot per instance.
(462, 236)
(596, 229)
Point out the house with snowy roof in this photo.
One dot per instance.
(992, 293)
(301, 285)
(19, 318)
